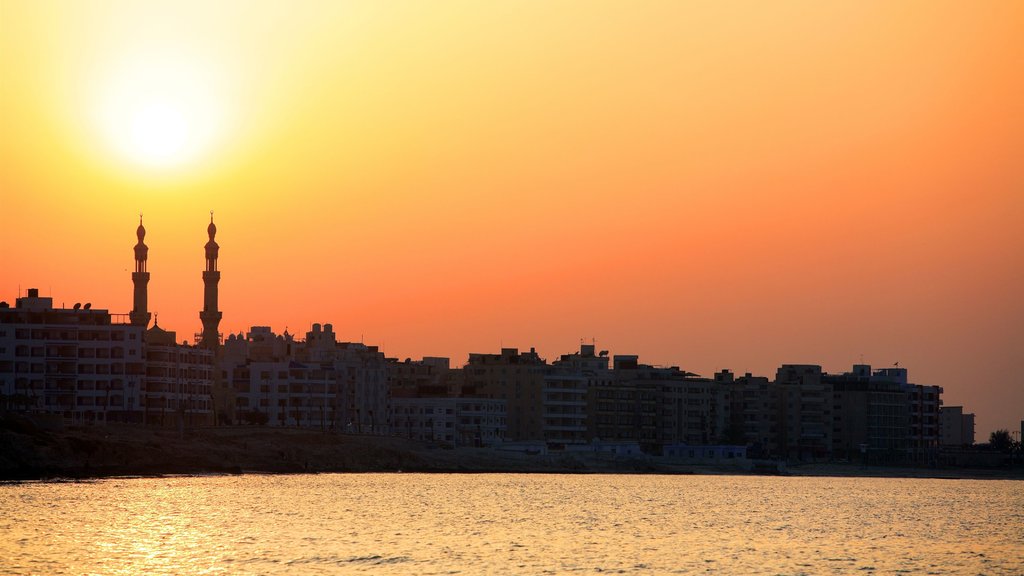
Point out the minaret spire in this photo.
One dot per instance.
(139, 315)
(211, 276)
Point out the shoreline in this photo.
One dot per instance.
(78, 453)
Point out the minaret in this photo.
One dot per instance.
(211, 276)
(140, 278)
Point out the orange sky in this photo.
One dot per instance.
(706, 184)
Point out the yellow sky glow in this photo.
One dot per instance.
(706, 184)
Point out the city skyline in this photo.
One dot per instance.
(701, 187)
(222, 346)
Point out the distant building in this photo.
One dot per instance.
(870, 416)
(315, 383)
(805, 412)
(91, 366)
(449, 420)
(566, 395)
(425, 419)
(706, 454)
(955, 427)
(623, 407)
(924, 403)
(179, 381)
(429, 377)
(82, 363)
(480, 421)
(519, 379)
(755, 414)
(656, 406)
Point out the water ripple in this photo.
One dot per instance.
(499, 524)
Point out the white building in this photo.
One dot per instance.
(448, 420)
(316, 383)
(82, 363)
(88, 365)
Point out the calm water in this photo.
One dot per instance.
(520, 524)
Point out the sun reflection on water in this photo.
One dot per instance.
(423, 524)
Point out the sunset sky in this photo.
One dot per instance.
(705, 184)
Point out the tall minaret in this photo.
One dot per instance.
(211, 276)
(140, 312)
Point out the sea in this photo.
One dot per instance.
(511, 524)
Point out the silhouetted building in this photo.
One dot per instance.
(82, 363)
(923, 406)
(178, 383)
(565, 393)
(92, 366)
(693, 411)
(518, 378)
(429, 377)
(427, 403)
(805, 412)
(870, 417)
(316, 383)
(480, 421)
(955, 427)
(450, 421)
(656, 407)
(622, 405)
(754, 415)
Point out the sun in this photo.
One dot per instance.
(159, 113)
(160, 133)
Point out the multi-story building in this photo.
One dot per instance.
(623, 406)
(564, 407)
(693, 411)
(449, 420)
(179, 381)
(923, 407)
(425, 419)
(82, 363)
(805, 412)
(480, 421)
(754, 414)
(93, 366)
(430, 376)
(657, 406)
(568, 387)
(870, 418)
(519, 379)
(315, 383)
(955, 427)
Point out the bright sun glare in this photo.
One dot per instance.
(159, 114)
